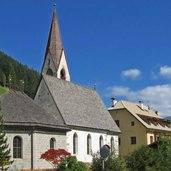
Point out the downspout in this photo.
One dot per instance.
(32, 148)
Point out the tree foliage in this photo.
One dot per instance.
(71, 164)
(151, 159)
(54, 157)
(4, 148)
(17, 76)
(112, 163)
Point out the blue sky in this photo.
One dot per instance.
(124, 47)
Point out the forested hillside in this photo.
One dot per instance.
(17, 76)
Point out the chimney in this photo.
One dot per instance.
(141, 105)
(114, 101)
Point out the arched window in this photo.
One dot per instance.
(17, 147)
(101, 141)
(49, 72)
(75, 144)
(112, 144)
(62, 74)
(89, 148)
(52, 143)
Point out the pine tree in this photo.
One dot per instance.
(4, 148)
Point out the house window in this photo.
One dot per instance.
(17, 147)
(101, 141)
(133, 140)
(52, 143)
(89, 144)
(119, 139)
(62, 74)
(117, 123)
(49, 72)
(75, 144)
(151, 139)
(132, 123)
(112, 144)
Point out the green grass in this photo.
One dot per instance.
(3, 90)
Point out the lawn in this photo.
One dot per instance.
(3, 90)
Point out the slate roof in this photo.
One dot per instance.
(19, 109)
(54, 45)
(146, 116)
(80, 106)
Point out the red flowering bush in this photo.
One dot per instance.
(55, 156)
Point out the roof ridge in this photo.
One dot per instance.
(69, 82)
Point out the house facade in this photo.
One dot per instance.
(139, 125)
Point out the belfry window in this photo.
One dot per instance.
(62, 74)
(49, 72)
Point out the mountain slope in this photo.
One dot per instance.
(15, 75)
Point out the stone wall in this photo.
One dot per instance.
(41, 143)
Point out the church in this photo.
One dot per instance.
(62, 115)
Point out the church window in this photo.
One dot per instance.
(89, 145)
(52, 143)
(112, 144)
(101, 141)
(49, 72)
(62, 74)
(17, 147)
(75, 144)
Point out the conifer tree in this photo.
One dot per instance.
(4, 147)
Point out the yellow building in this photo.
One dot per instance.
(138, 124)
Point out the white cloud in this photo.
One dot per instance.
(165, 71)
(158, 97)
(131, 73)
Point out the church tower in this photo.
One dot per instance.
(55, 63)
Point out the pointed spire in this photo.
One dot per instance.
(54, 44)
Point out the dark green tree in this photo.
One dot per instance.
(4, 148)
(2, 78)
(18, 76)
(151, 159)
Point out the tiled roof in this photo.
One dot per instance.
(80, 106)
(19, 109)
(149, 118)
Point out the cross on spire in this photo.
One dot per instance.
(54, 4)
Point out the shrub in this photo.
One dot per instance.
(151, 159)
(113, 163)
(71, 164)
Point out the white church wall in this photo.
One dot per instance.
(63, 65)
(82, 143)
